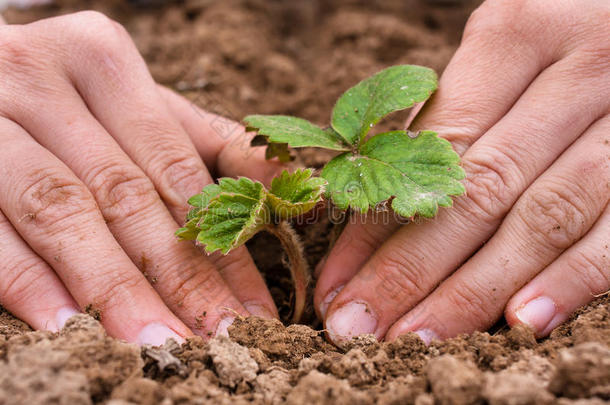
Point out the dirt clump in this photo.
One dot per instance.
(80, 364)
(583, 371)
(454, 382)
(232, 362)
(510, 388)
(324, 389)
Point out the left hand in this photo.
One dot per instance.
(525, 101)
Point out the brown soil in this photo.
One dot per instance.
(295, 57)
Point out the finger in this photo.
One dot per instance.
(29, 288)
(461, 111)
(361, 237)
(186, 280)
(117, 88)
(222, 143)
(134, 213)
(499, 167)
(555, 212)
(154, 139)
(57, 216)
(225, 148)
(248, 286)
(573, 280)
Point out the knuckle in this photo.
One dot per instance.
(594, 274)
(13, 51)
(399, 276)
(53, 199)
(510, 22)
(17, 279)
(497, 18)
(100, 37)
(182, 171)
(556, 218)
(122, 191)
(472, 301)
(492, 181)
(592, 62)
(177, 166)
(115, 289)
(23, 63)
(95, 23)
(197, 288)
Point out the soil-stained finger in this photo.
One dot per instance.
(577, 277)
(56, 215)
(29, 287)
(500, 166)
(558, 209)
(184, 277)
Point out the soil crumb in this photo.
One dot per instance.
(265, 362)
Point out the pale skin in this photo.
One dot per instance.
(97, 164)
(98, 161)
(525, 102)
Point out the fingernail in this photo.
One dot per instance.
(259, 310)
(155, 334)
(328, 299)
(349, 321)
(62, 316)
(223, 326)
(427, 335)
(538, 314)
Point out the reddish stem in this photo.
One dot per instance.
(299, 269)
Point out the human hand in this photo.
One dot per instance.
(96, 165)
(525, 101)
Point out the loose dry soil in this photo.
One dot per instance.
(237, 57)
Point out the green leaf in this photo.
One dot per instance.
(419, 174)
(235, 211)
(392, 89)
(190, 229)
(293, 194)
(296, 132)
(199, 202)
(227, 214)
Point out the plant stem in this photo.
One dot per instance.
(299, 270)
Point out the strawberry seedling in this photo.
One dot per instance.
(413, 173)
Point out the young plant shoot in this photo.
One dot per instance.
(226, 215)
(414, 173)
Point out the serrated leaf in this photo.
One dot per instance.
(419, 174)
(295, 132)
(293, 194)
(235, 211)
(190, 230)
(392, 89)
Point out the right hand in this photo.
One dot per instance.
(96, 165)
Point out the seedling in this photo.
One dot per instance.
(413, 173)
